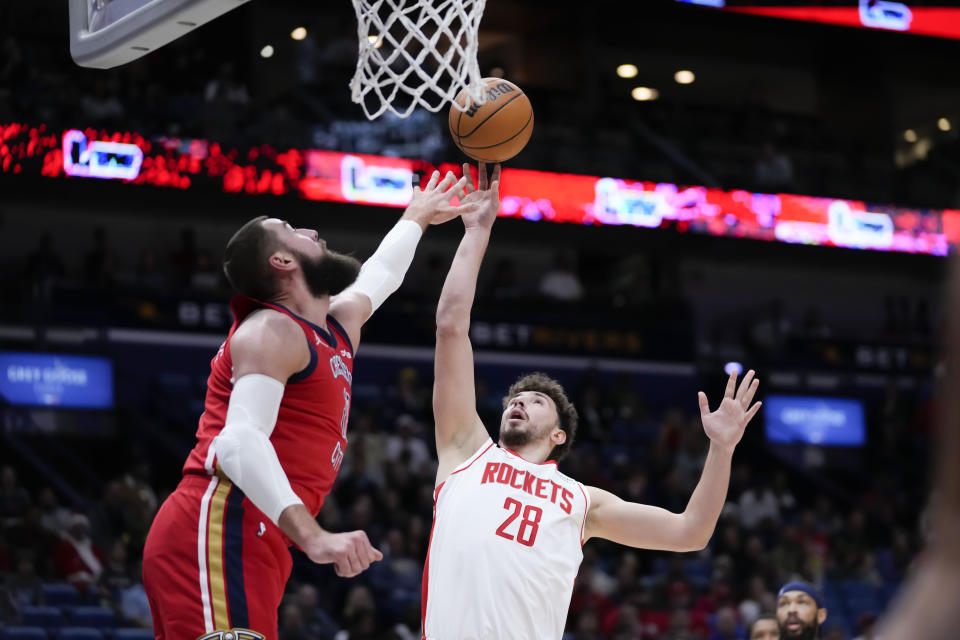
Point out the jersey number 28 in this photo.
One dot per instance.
(529, 525)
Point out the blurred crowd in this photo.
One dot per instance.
(855, 535)
(96, 550)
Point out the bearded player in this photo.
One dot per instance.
(508, 527)
(272, 436)
(801, 611)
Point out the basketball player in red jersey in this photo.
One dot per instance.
(508, 526)
(273, 432)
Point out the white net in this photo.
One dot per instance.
(416, 53)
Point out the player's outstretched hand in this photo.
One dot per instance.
(351, 552)
(431, 204)
(479, 206)
(725, 426)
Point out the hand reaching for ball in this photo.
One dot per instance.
(479, 206)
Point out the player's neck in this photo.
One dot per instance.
(306, 305)
(532, 452)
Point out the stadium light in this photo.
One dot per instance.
(644, 94)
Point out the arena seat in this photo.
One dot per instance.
(80, 633)
(133, 634)
(23, 633)
(46, 617)
(95, 617)
(59, 594)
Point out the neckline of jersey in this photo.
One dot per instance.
(514, 453)
(327, 334)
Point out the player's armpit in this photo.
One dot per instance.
(352, 309)
(638, 525)
(270, 343)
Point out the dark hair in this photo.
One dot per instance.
(566, 413)
(762, 616)
(245, 260)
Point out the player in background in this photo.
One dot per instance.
(508, 526)
(800, 611)
(273, 432)
(764, 627)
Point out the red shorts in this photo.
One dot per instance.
(213, 562)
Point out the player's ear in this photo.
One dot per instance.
(282, 260)
(821, 615)
(558, 437)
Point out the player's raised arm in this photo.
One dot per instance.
(265, 351)
(459, 430)
(648, 527)
(383, 272)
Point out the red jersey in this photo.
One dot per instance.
(311, 431)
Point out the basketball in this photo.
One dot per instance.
(496, 130)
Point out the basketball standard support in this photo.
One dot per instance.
(108, 33)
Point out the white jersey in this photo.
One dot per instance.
(504, 551)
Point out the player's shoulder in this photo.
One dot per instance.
(268, 323)
(565, 478)
(268, 331)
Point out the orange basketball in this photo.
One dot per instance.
(496, 130)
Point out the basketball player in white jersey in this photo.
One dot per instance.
(508, 526)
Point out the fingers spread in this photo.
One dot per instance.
(745, 384)
(731, 384)
(434, 179)
(753, 411)
(748, 396)
(704, 406)
(447, 181)
(468, 185)
(482, 171)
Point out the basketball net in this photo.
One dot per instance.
(416, 52)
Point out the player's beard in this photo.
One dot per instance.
(329, 274)
(514, 438)
(807, 631)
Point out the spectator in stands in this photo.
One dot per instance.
(184, 259)
(292, 626)
(505, 286)
(317, 623)
(44, 267)
(757, 504)
(758, 599)
(135, 607)
(100, 106)
(100, 263)
(149, 274)
(773, 170)
(771, 329)
(406, 446)
(765, 627)
(9, 611)
(54, 518)
(786, 502)
(116, 574)
(14, 499)
(76, 559)
(726, 626)
(560, 283)
(407, 394)
(25, 586)
(359, 615)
